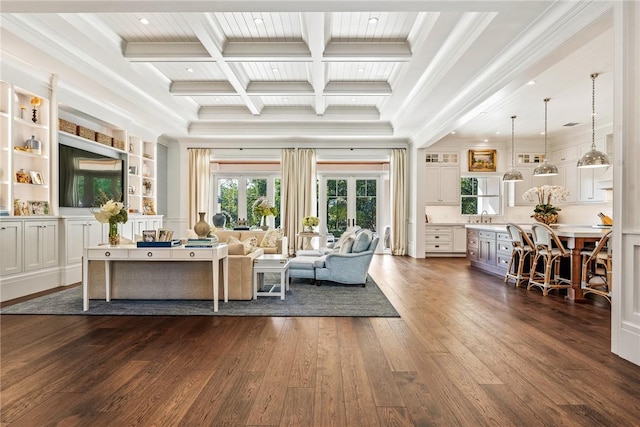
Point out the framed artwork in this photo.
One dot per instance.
(20, 208)
(482, 160)
(36, 178)
(38, 207)
(164, 235)
(149, 235)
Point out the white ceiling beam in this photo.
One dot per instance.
(315, 26)
(358, 88)
(189, 88)
(279, 88)
(203, 27)
(367, 51)
(166, 52)
(288, 128)
(289, 113)
(266, 51)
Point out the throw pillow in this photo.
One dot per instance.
(249, 244)
(347, 246)
(271, 237)
(362, 241)
(343, 238)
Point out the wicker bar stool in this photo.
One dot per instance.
(523, 248)
(597, 268)
(549, 250)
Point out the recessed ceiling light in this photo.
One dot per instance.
(285, 99)
(354, 99)
(482, 113)
(373, 20)
(498, 133)
(189, 69)
(218, 99)
(361, 70)
(542, 133)
(258, 20)
(275, 70)
(453, 132)
(531, 82)
(485, 140)
(143, 21)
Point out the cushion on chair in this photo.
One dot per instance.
(362, 241)
(347, 246)
(343, 238)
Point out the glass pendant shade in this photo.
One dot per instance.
(512, 175)
(546, 168)
(593, 158)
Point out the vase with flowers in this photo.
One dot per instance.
(308, 222)
(262, 208)
(544, 211)
(112, 213)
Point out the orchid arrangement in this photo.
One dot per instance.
(111, 212)
(310, 221)
(543, 195)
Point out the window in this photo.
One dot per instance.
(479, 194)
(235, 197)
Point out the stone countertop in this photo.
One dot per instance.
(444, 224)
(568, 230)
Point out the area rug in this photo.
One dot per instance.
(303, 299)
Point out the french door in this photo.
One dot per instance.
(347, 201)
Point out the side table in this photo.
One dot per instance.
(270, 263)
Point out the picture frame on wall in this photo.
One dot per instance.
(482, 160)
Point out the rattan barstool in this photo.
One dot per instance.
(597, 268)
(549, 250)
(522, 249)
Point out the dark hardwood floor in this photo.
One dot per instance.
(467, 351)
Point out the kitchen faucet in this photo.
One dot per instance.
(482, 216)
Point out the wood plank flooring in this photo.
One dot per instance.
(467, 351)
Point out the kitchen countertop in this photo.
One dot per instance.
(563, 230)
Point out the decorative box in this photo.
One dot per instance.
(86, 133)
(118, 144)
(67, 126)
(169, 244)
(103, 139)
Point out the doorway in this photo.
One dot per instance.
(347, 201)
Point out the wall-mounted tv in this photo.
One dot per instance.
(88, 179)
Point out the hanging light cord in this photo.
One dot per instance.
(593, 110)
(513, 151)
(546, 101)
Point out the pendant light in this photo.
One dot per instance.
(512, 175)
(546, 168)
(593, 158)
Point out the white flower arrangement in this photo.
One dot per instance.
(310, 221)
(543, 195)
(111, 212)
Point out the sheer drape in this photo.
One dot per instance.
(199, 183)
(398, 178)
(298, 189)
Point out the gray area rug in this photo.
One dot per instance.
(303, 299)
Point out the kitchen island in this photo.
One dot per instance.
(489, 248)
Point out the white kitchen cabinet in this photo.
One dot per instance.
(442, 185)
(10, 247)
(445, 240)
(40, 244)
(590, 191)
(567, 177)
(459, 239)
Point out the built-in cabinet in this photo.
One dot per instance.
(81, 233)
(582, 184)
(25, 150)
(445, 240)
(10, 247)
(526, 163)
(142, 175)
(40, 244)
(489, 250)
(442, 185)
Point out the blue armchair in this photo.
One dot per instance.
(349, 268)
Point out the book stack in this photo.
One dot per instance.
(200, 243)
(4, 211)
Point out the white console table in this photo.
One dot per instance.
(217, 255)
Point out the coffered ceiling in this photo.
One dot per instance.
(370, 73)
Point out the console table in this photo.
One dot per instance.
(217, 255)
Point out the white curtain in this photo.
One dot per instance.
(298, 189)
(199, 183)
(398, 178)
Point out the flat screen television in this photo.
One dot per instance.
(88, 179)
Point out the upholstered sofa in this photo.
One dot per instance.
(348, 262)
(183, 280)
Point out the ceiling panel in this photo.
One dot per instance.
(162, 27)
(243, 27)
(276, 71)
(201, 71)
(356, 101)
(288, 101)
(360, 71)
(218, 101)
(357, 26)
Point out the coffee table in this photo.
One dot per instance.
(270, 263)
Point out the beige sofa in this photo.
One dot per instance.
(182, 280)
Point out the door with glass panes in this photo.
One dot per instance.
(347, 202)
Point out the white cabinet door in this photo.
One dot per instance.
(154, 223)
(589, 190)
(10, 247)
(81, 233)
(40, 244)
(459, 239)
(442, 185)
